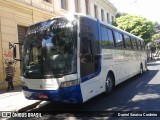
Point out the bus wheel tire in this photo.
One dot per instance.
(109, 84)
(141, 70)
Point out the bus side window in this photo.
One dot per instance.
(134, 43)
(139, 44)
(127, 42)
(89, 50)
(110, 38)
(104, 36)
(85, 46)
(118, 39)
(107, 37)
(143, 45)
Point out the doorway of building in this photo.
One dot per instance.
(22, 30)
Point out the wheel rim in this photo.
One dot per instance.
(141, 70)
(109, 84)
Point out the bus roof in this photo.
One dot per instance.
(104, 23)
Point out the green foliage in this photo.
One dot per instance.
(136, 25)
(119, 14)
(156, 26)
(114, 23)
(156, 36)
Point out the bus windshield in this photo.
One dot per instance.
(50, 49)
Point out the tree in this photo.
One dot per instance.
(156, 27)
(136, 25)
(119, 14)
(156, 36)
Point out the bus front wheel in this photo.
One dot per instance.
(109, 84)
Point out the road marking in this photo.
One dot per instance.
(42, 103)
(145, 97)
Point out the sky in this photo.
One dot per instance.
(149, 9)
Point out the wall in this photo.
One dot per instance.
(101, 4)
(13, 14)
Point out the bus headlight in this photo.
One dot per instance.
(69, 83)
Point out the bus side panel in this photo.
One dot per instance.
(96, 85)
(120, 65)
(108, 63)
(92, 87)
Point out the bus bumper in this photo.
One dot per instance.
(66, 95)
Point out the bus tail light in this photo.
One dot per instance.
(69, 83)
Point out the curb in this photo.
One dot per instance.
(29, 107)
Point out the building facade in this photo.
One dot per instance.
(17, 15)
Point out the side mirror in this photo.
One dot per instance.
(14, 50)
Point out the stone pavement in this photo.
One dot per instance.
(14, 100)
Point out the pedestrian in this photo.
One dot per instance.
(9, 75)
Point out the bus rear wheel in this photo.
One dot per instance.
(141, 70)
(109, 84)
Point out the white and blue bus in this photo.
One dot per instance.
(73, 59)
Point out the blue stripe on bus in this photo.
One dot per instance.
(83, 79)
(99, 39)
(68, 95)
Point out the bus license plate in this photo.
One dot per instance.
(42, 96)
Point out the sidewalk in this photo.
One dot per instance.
(14, 100)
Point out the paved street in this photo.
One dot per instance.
(140, 93)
